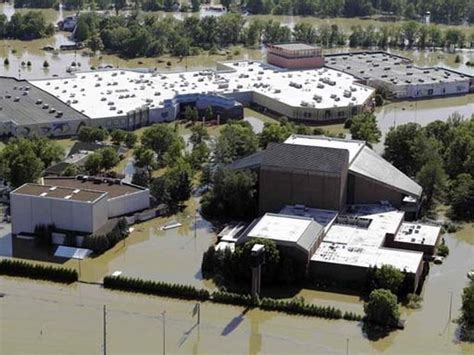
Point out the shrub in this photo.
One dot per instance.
(443, 250)
(414, 301)
(155, 288)
(387, 277)
(382, 308)
(467, 307)
(38, 272)
(101, 243)
(232, 298)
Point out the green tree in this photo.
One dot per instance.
(71, 170)
(191, 114)
(233, 195)
(93, 163)
(146, 160)
(95, 43)
(47, 150)
(387, 277)
(400, 148)
(467, 308)
(19, 162)
(199, 155)
(364, 127)
(109, 158)
(161, 138)
(433, 180)
(274, 132)
(382, 308)
(199, 134)
(461, 197)
(92, 134)
(305, 32)
(237, 140)
(174, 187)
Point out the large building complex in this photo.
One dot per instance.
(342, 246)
(328, 173)
(77, 204)
(338, 208)
(130, 99)
(399, 77)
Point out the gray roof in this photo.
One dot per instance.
(293, 156)
(371, 165)
(294, 46)
(252, 161)
(390, 68)
(25, 111)
(310, 235)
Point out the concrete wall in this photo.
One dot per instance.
(29, 211)
(368, 191)
(130, 203)
(279, 188)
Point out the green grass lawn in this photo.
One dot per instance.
(66, 143)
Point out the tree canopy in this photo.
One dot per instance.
(382, 308)
(23, 160)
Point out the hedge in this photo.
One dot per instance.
(294, 306)
(36, 271)
(235, 299)
(155, 288)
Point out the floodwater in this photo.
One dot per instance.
(40, 317)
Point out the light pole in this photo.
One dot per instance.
(450, 304)
(163, 314)
(195, 223)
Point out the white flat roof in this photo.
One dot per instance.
(418, 234)
(352, 146)
(113, 93)
(374, 236)
(360, 246)
(323, 217)
(368, 256)
(280, 227)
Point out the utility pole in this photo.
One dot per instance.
(450, 304)
(347, 346)
(163, 314)
(105, 330)
(195, 223)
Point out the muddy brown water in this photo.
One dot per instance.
(40, 317)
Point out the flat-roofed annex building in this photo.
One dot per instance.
(81, 204)
(340, 247)
(399, 77)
